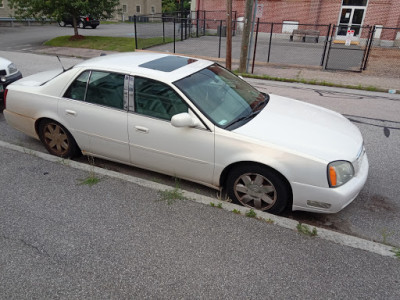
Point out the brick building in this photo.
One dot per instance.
(348, 14)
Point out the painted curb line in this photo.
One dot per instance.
(333, 236)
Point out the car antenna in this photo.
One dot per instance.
(61, 63)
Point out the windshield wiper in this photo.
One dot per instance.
(259, 104)
(249, 116)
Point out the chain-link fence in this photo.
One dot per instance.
(288, 43)
(384, 55)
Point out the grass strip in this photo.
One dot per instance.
(118, 44)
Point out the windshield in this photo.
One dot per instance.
(222, 96)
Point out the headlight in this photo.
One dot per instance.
(12, 68)
(339, 172)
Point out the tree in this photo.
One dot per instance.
(171, 6)
(56, 9)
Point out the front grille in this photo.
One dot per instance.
(3, 72)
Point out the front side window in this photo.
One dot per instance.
(222, 96)
(156, 99)
(103, 88)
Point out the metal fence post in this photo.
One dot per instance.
(326, 45)
(270, 41)
(369, 46)
(255, 46)
(136, 39)
(163, 29)
(174, 34)
(220, 35)
(330, 46)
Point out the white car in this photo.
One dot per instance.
(8, 74)
(193, 119)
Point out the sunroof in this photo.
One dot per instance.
(168, 63)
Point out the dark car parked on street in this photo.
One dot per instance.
(83, 21)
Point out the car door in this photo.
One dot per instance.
(94, 110)
(157, 145)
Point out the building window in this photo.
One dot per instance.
(153, 10)
(355, 2)
(124, 8)
(1, 4)
(138, 9)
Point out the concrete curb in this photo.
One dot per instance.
(333, 236)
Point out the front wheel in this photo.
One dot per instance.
(61, 24)
(57, 140)
(258, 187)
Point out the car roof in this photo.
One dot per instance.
(160, 66)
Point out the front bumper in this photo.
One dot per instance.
(9, 79)
(330, 200)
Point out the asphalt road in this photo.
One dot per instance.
(61, 239)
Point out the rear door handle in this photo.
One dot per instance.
(142, 129)
(70, 112)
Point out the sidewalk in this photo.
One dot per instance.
(60, 238)
(341, 78)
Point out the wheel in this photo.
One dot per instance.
(258, 187)
(81, 25)
(57, 140)
(62, 23)
(94, 26)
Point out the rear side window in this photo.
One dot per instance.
(77, 89)
(103, 88)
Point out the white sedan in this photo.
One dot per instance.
(193, 119)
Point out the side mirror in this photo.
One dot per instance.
(183, 120)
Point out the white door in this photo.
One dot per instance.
(351, 18)
(157, 145)
(93, 110)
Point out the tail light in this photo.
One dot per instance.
(87, 19)
(5, 97)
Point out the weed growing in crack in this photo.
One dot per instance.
(170, 196)
(251, 213)
(396, 252)
(91, 179)
(304, 229)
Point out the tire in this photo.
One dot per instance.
(57, 140)
(94, 26)
(81, 25)
(62, 24)
(258, 187)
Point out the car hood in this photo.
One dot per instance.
(38, 79)
(4, 63)
(305, 128)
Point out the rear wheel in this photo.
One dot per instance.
(57, 140)
(62, 23)
(258, 187)
(94, 26)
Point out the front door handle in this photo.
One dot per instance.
(70, 112)
(142, 129)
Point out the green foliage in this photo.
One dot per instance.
(396, 252)
(56, 9)
(170, 196)
(170, 6)
(251, 213)
(304, 229)
(236, 211)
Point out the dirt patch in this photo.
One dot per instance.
(384, 62)
(378, 203)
